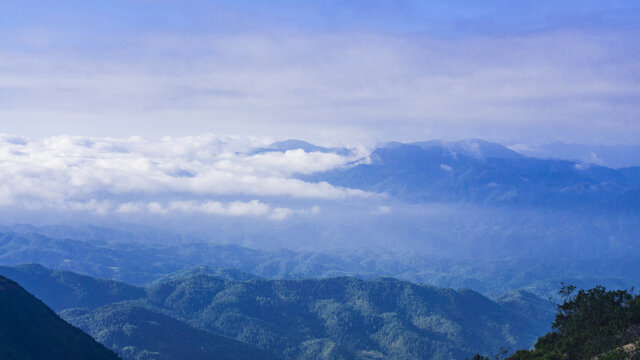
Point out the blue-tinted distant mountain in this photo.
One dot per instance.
(615, 266)
(29, 330)
(64, 289)
(615, 156)
(526, 303)
(222, 274)
(474, 148)
(631, 172)
(492, 175)
(100, 235)
(124, 261)
(292, 144)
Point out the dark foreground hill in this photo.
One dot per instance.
(333, 318)
(29, 330)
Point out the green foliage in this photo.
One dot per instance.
(137, 333)
(330, 318)
(344, 317)
(500, 355)
(589, 323)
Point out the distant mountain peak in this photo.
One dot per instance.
(294, 144)
(614, 156)
(475, 148)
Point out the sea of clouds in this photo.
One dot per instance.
(206, 174)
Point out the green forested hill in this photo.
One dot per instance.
(29, 330)
(140, 334)
(333, 318)
(345, 317)
(220, 273)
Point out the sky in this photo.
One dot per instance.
(330, 72)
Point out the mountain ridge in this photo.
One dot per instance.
(299, 319)
(430, 173)
(29, 330)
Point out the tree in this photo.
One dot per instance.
(588, 323)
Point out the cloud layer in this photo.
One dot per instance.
(573, 86)
(202, 174)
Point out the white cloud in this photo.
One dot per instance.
(236, 208)
(254, 208)
(594, 159)
(581, 166)
(156, 208)
(103, 175)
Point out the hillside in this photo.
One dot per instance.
(331, 318)
(345, 317)
(590, 324)
(29, 330)
(222, 274)
(136, 333)
(485, 173)
(65, 289)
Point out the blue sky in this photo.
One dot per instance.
(440, 18)
(327, 71)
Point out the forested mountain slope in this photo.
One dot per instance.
(29, 330)
(331, 318)
(385, 317)
(137, 333)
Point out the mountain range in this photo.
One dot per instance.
(333, 318)
(141, 263)
(613, 156)
(367, 278)
(487, 174)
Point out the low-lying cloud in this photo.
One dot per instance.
(202, 174)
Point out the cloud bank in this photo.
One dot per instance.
(200, 174)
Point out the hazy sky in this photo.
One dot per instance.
(326, 71)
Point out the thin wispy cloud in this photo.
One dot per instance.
(564, 84)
